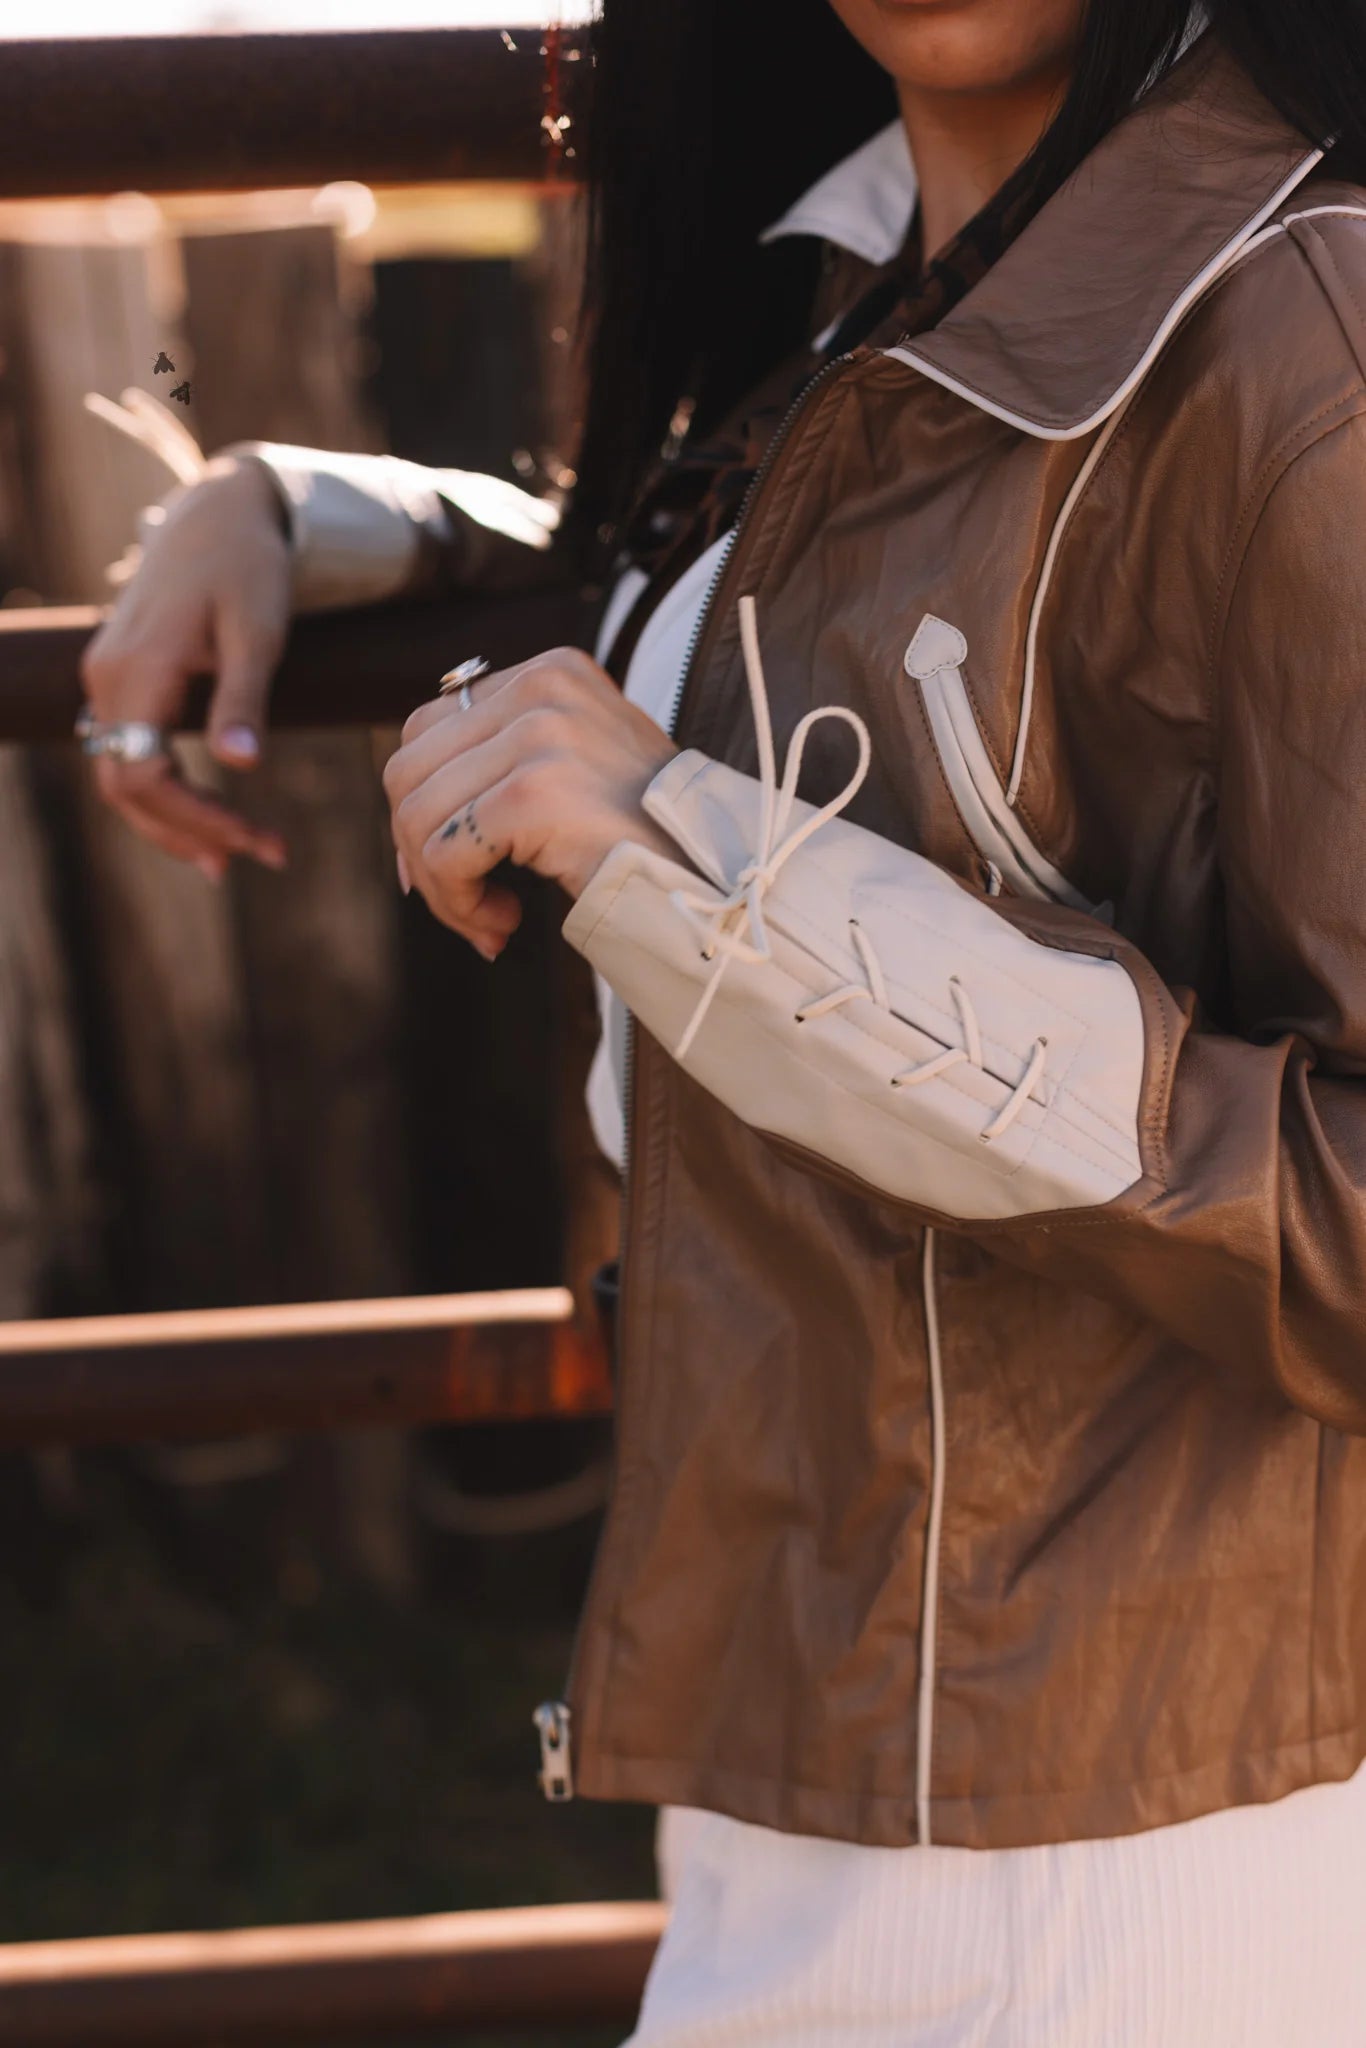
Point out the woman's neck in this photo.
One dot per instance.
(965, 146)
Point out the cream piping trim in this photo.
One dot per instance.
(1082, 479)
(1317, 213)
(1175, 312)
(934, 1529)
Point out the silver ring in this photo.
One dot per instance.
(122, 739)
(457, 680)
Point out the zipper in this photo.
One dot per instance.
(554, 1718)
(557, 1770)
(777, 443)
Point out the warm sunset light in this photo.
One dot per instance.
(181, 17)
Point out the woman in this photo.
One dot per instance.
(986, 1571)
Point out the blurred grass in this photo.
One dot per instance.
(176, 1760)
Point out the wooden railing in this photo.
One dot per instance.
(364, 667)
(279, 1987)
(320, 1365)
(302, 1366)
(223, 112)
(236, 112)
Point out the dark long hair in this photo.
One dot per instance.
(707, 117)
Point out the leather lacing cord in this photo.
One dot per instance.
(734, 928)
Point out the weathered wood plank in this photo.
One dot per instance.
(188, 1375)
(222, 112)
(553, 1967)
(369, 666)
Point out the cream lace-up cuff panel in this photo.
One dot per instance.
(883, 1017)
(356, 521)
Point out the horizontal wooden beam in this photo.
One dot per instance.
(373, 1315)
(308, 1366)
(551, 1967)
(364, 667)
(230, 112)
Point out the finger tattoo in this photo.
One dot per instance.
(465, 821)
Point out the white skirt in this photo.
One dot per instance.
(1244, 1929)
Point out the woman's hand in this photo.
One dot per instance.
(546, 768)
(212, 592)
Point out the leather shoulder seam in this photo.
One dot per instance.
(1343, 297)
(1330, 419)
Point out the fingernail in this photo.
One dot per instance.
(239, 741)
(405, 880)
(485, 952)
(210, 868)
(272, 854)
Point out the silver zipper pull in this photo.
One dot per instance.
(557, 1770)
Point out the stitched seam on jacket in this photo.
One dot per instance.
(938, 759)
(1276, 467)
(1061, 1098)
(1058, 1105)
(915, 925)
(919, 925)
(1287, 441)
(615, 892)
(983, 1798)
(1126, 427)
(979, 720)
(1357, 344)
(1235, 261)
(822, 1071)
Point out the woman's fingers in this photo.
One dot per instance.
(546, 768)
(249, 650)
(434, 714)
(167, 841)
(455, 863)
(211, 592)
(152, 798)
(429, 781)
(445, 838)
(571, 663)
(150, 795)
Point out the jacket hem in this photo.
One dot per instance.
(1006, 1820)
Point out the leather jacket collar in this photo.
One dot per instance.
(1063, 327)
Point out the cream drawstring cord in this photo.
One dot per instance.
(734, 929)
(724, 924)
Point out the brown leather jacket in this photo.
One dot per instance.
(993, 1357)
(1006, 1510)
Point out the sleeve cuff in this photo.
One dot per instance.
(359, 524)
(921, 1075)
(355, 521)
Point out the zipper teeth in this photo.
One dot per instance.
(752, 489)
(628, 1068)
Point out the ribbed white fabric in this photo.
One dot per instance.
(1245, 1929)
